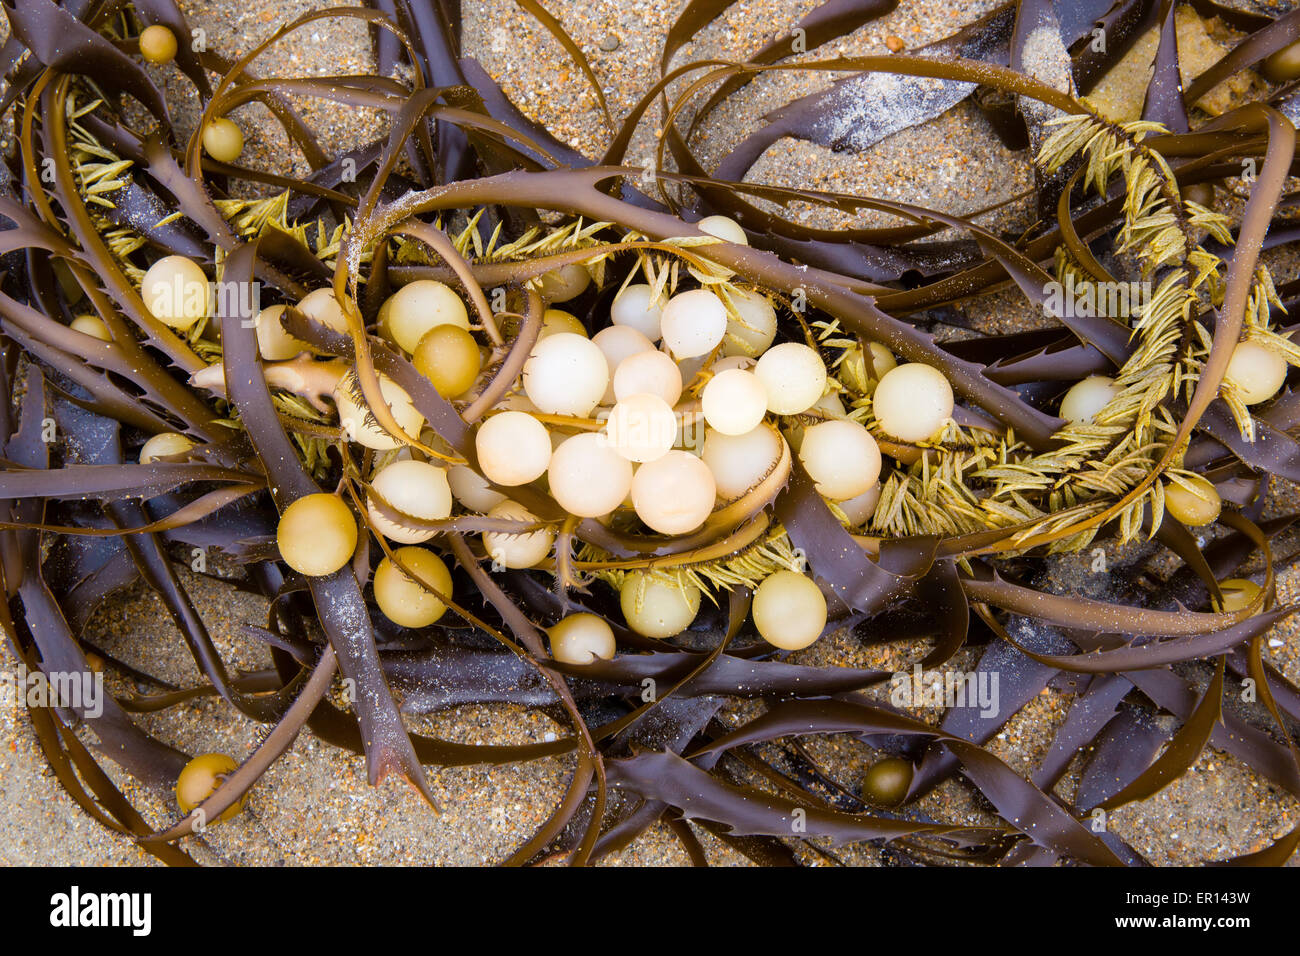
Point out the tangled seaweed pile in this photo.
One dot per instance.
(737, 435)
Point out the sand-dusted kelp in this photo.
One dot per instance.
(418, 542)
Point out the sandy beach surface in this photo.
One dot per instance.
(314, 806)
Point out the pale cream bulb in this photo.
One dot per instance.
(1196, 504)
(656, 606)
(587, 477)
(1258, 373)
(164, 445)
(416, 488)
(522, 550)
(557, 320)
(472, 490)
(734, 402)
(422, 305)
(565, 283)
(91, 325)
(674, 494)
(641, 428)
(880, 359)
(1086, 398)
(693, 323)
(794, 377)
(175, 291)
(789, 610)
(273, 341)
(752, 333)
(860, 509)
(841, 457)
(353, 417)
(913, 401)
(321, 306)
(636, 308)
(317, 534)
(618, 343)
(566, 374)
(739, 462)
(581, 638)
(652, 372)
(724, 228)
(513, 448)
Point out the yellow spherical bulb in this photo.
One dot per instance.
(657, 606)
(751, 331)
(223, 140)
(1086, 398)
(1238, 594)
(674, 494)
(641, 428)
(273, 341)
(175, 291)
(557, 320)
(420, 306)
(739, 462)
(841, 457)
(794, 377)
(157, 44)
(472, 490)
(581, 638)
(448, 357)
(1284, 65)
(317, 535)
(886, 782)
(724, 228)
(513, 448)
(789, 610)
(91, 325)
(406, 600)
(164, 445)
(565, 283)
(651, 372)
(637, 308)
(521, 549)
(587, 477)
(321, 306)
(200, 778)
(1194, 505)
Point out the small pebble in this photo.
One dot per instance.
(895, 44)
(610, 43)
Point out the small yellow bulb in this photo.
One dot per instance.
(886, 782)
(317, 535)
(175, 291)
(448, 357)
(789, 610)
(519, 550)
(657, 606)
(1238, 594)
(223, 140)
(1258, 373)
(1195, 505)
(164, 445)
(420, 306)
(200, 778)
(91, 325)
(581, 638)
(1284, 65)
(405, 600)
(157, 44)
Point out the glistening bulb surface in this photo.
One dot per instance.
(587, 477)
(656, 606)
(693, 323)
(636, 308)
(416, 488)
(513, 448)
(794, 377)
(674, 494)
(566, 374)
(913, 401)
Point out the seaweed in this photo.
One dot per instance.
(466, 189)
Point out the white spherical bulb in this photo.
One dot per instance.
(1086, 398)
(913, 401)
(733, 361)
(566, 375)
(789, 610)
(734, 402)
(1257, 372)
(522, 550)
(724, 228)
(674, 494)
(656, 606)
(420, 306)
(472, 490)
(513, 448)
(841, 457)
(652, 372)
(581, 638)
(641, 428)
(739, 462)
(175, 291)
(321, 306)
(794, 377)
(587, 477)
(752, 333)
(618, 343)
(273, 341)
(164, 445)
(860, 509)
(352, 416)
(693, 323)
(416, 488)
(636, 308)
